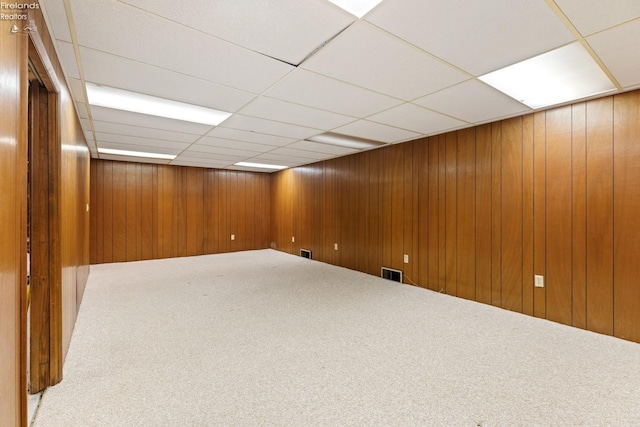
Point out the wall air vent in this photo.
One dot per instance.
(391, 274)
(305, 253)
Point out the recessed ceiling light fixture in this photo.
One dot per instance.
(358, 8)
(260, 165)
(135, 154)
(564, 74)
(331, 138)
(104, 96)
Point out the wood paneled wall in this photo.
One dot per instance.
(145, 211)
(13, 192)
(74, 194)
(480, 211)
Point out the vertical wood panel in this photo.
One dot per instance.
(539, 210)
(451, 229)
(442, 214)
(558, 215)
(131, 200)
(433, 257)
(146, 212)
(496, 214)
(107, 183)
(511, 213)
(423, 209)
(119, 212)
(374, 232)
(600, 215)
(483, 214)
(195, 211)
(408, 211)
(579, 212)
(466, 211)
(527, 215)
(626, 208)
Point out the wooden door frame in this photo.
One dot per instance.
(46, 314)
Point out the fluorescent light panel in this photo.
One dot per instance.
(564, 74)
(136, 154)
(104, 96)
(260, 165)
(358, 8)
(331, 138)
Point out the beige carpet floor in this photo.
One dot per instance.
(262, 338)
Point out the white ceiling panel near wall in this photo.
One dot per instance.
(592, 16)
(371, 58)
(618, 48)
(417, 119)
(283, 29)
(143, 132)
(376, 131)
(280, 159)
(294, 152)
(321, 148)
(236, 145)
(142, 142)
(135, 159)
(125, 31)
(247, 136)
(144, 120)
(472, 101)
(67, 57)
(119, 72)
(287, 112)
(238, 121)
(476, 36)
(57, 17)
(315, 90)
(139, 148)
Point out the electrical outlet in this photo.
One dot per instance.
(335, 246)
(293, 239)
(539, 281)
(233, 237)
(406, 259)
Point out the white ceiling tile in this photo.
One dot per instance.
(86, 124)
(134, 140)
(248, 136)
(205, 156)
(367, 56)
(238, 121)
(139, 148)
(202, 163)
(115, 71)
(591, 16)
(618, 49)
(144, 120)
(237, 145)
(88, 135)
(134, 159)
(283, 29)
(123, 30)
(249, 169)
(417, 119)
(476, 36)
(82, 110)
(67, 57)
(56, 18)
(321, 148)
(292, 152)
(473, 102)
(286, 112)
(143, 132)
(376, 131)
(282, 159)
(77, 90)
(239, 153)
(314, 90)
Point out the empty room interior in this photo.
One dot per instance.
(321, 212)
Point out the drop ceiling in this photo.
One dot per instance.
(288, 70)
